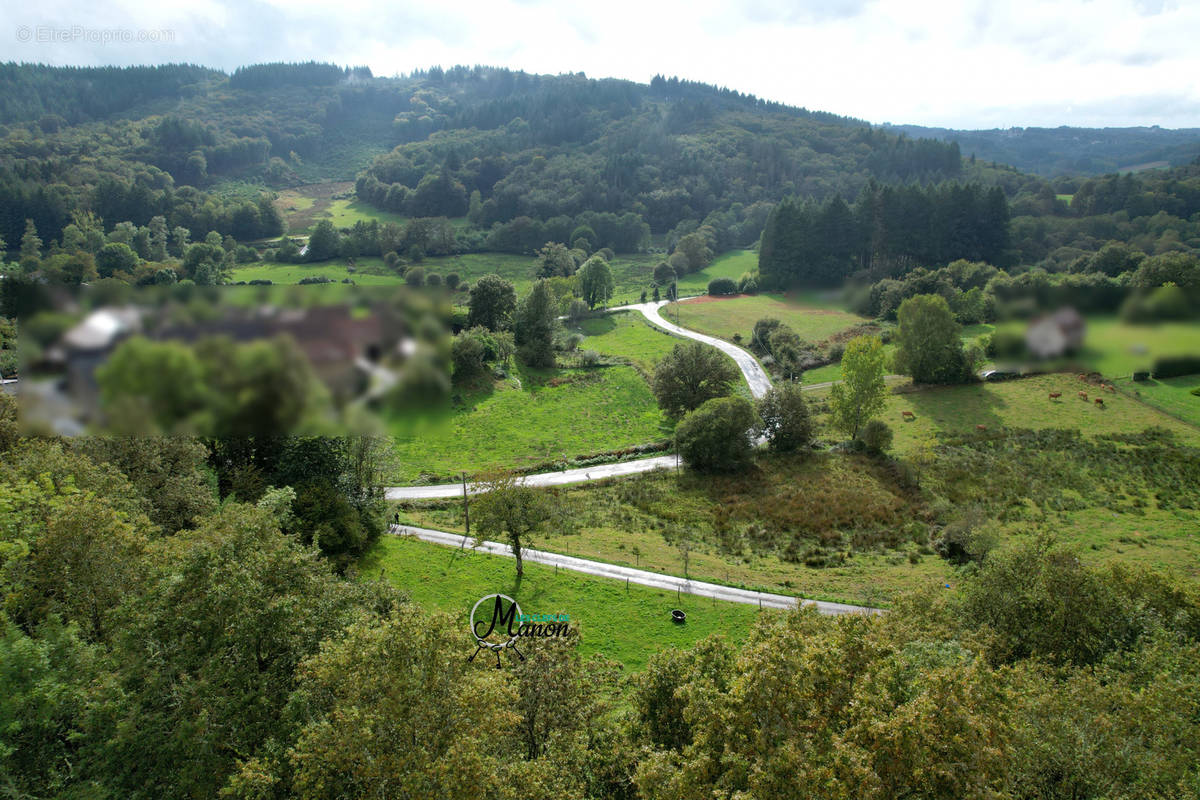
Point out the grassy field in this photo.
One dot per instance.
(627, 335)
(735, 528)
(1117, 349)
(1172, 395)
(628, 624)
(727, 265)
(725, 317)
(533, 417)
(631, 272)
(1021, 403)
(294, 273)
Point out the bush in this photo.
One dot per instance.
(1196, 392)
(433, 279)
(469, 355)
(577, 311)
(314, 279)
(716, 436)
(787, 423)
(1141, 376)
(876, 436)
(722, 286)
(1175, 366)
(748, 283)
(415, 277)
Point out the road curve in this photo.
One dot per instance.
(756, 379)
(756, 376)
(639, 576)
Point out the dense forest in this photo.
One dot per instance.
(531, 146)
(167, 173)
(165, 634)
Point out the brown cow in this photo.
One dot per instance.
(1100, 402)
(981, 427)
(1083, 396)
(1111, 388)
(1055, 395)
(907, 415)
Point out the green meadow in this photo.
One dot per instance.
(812, 320)
(628, 623)
(530, 418)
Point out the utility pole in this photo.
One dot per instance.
(466, 505)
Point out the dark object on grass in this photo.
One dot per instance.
(1141, 376)
(678, 616)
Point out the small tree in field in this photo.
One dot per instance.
(785, 418)
(860, 395)
(716, 436)
(510, 511)
(691, 374)
(928, 346)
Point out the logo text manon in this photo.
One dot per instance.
(528, 625)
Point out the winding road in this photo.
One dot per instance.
(756, 379)
(639, 576)
(759, 383)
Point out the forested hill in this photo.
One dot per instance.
(131, 144)
(1070, 151)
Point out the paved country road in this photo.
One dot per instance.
(577, 475)
(638, 576)
(756, 378)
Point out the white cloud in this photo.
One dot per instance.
(959, 64)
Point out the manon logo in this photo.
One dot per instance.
(508, 625)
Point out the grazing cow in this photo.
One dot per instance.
(1055, 395)
(907, 415)
(1100, 402)
(1083, 396)
(981, 427)
(1111, 388)
(1082, 377)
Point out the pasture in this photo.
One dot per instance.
(727, 265)
(754, 531)
(627, 335)
(813, 317)
(625, 623)
(1021, 403)
(528, 419)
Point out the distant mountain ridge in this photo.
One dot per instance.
(1069, 151)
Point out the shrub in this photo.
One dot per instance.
(787, 423)
(1141, 376)
(716, 436)
(722, 286)
(1196, 392)
(469, 354)
(433, 279)
(415, 277)
(315, 279)
(1175, 366)
(876, 436)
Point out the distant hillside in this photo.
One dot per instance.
(1070, 151)
(498, 144)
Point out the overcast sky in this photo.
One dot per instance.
(967, 64)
